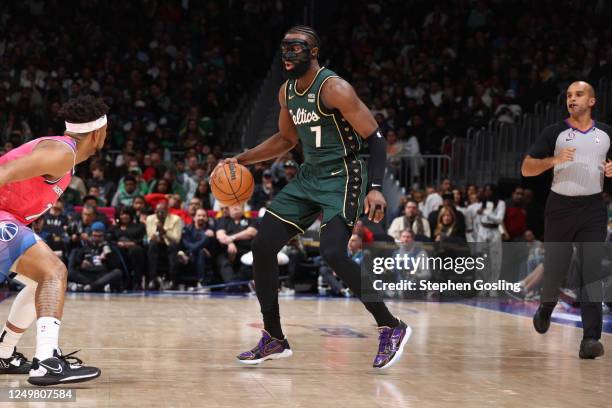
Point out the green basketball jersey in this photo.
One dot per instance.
(325, 135)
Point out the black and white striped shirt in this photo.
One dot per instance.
(585, 174)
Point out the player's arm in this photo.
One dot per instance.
(339, 94)
(49, 158)
(279, 143)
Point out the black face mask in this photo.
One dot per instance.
(298, 53)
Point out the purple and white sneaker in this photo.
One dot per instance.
(268, 348)
(391, 344)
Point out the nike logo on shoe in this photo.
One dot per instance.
(333, 173)
(55, 370)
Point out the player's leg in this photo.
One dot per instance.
(272, 235)
(21, 316)
(394, 333)
(335, 235)
(41, 265)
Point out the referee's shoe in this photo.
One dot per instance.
(590, 348)
(541, 319)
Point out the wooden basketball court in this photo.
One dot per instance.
(179, 351)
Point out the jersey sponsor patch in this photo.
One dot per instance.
(8, 231)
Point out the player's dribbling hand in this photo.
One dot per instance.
(221, 162)
(608, 168)
(374, 206)
(565, 154)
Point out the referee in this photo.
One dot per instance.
(578, 149)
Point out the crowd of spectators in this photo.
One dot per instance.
(432, 69)
(171, 71)
(140, 214)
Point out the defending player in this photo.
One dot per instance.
(32, 177)
(324, 112)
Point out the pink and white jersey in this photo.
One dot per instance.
(27, 200)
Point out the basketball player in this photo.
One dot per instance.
(577, 149)
(32, 177)
(325, 114)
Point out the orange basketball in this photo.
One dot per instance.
(232, 184)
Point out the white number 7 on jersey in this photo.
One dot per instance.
(317, 130)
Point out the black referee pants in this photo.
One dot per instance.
(581, 220)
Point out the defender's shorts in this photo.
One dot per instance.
(15, 240)
(336, 188)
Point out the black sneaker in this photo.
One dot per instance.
(15, 364)
(59, 370)
(541, 320)
(590, 348)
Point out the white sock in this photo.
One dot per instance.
(9, 341)
(47, 336)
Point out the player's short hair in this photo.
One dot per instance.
(83, 109)
(307, 30)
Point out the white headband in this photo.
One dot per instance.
(86, 127)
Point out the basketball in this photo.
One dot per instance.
(232, 184)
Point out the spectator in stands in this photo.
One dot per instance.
(263, 192)
(448, 199)
(489, 217)
(126, 193)
(534, 273)
(94, 202)
(235, 233)
(409, 247)
(54, 230)
(94, 193)
(175, 206)
(204, 194)
(134, 170)
(173, 186)
(94, 267)
(78, 186)
(411, 220)
(433, 201)
(106, 187)
(198, 245)
(290, 169)
(194, 205)
(446, 226)
(79, 228)
(515, 219)
(164, 235)
(128, 235)
(435, 137)
(187, 182)
(141, 210)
